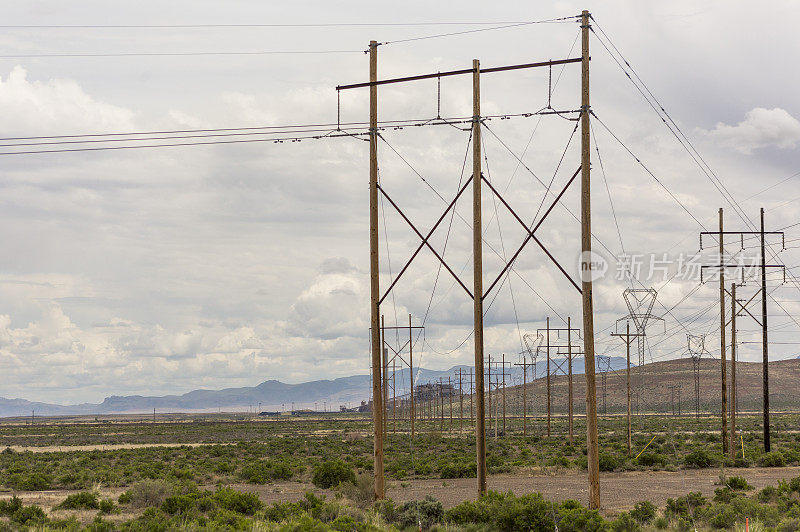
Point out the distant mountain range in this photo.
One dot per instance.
(273, 395)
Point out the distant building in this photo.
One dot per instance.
(434, 390)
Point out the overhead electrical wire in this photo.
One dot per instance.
(279, 134)
(273, 25)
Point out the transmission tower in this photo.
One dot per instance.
(697, 348)
(640, 302)
(529, 358)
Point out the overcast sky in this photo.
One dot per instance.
(160, 271)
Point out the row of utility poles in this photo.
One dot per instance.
(477, 293)
(737, 307)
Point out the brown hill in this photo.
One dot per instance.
(653, 382)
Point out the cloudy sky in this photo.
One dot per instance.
(155, 271)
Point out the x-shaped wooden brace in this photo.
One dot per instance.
(531, 233)
(564, 361)
(744, 306)
(425, 239)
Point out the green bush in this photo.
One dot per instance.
(506, 512)
(699, 458)
(85, 500)
(625, 523)
(30, 482)
(721, 516)
(106, 506)
(768, 494)
(685, 506)
(9, 506)
(772, 459)
(266, 471)
(237, 501)
(737, 484)
(332, 473)
(178, 504)
(147, 493)
(644, 512)
(573, 517)
(422, 514)
(459, 470)
(608, 462)
(791, 524)
(29, 515)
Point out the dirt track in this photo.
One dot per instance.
(619, 491)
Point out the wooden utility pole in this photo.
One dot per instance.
(385, 380)
(628, 338)
(722, 346)
(450, 396)
(477, 272)
(764, 343)
(569, 382)
(548, 377)
(732, 449)
(471, 395)
(377, 397)
(524, 396)
(394, 395)
(504, 394)
(460, 403)
(489, 390)
(593, 457)
(496, 405)
(628, 380)
(411, 374)
(441, 405)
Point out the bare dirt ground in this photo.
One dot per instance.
(619, 491)
(107, 447)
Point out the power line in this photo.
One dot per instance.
(278, 135)
(268, 25)
(501, 27)
(274, 129)
(177, 54)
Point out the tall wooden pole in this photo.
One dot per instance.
(569, 366)
(765, 344)
(722, 347)
(450, 402)
(394, 394)
(477, 270)
(628, 380)
(460, 403)
(496, 405)
(377, 396)
(441, 405)
(548, 377)
(504, 394)
(732, 448)
(524, 396)
(471, 394)
(411, 375)
(385, 383)
(489, 390)
(593, 456)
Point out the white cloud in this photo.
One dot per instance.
(56, 105)
(760, 128)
